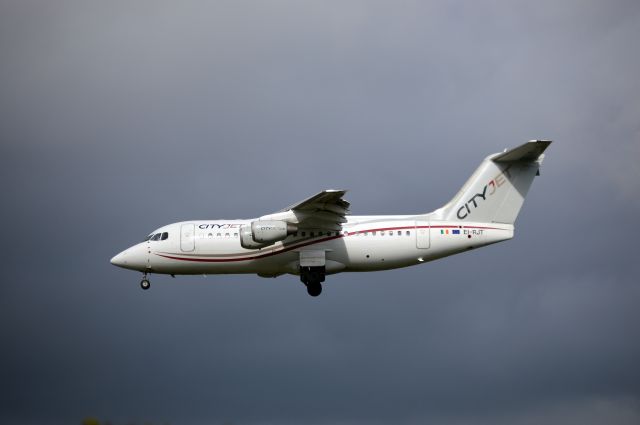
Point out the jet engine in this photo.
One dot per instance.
(263, 233)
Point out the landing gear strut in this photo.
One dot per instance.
(313, 277)
(144, 283)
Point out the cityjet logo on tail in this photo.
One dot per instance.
(465, 210)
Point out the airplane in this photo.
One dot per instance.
(317, 237)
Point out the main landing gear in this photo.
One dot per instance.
(312, 277)
(144, 283)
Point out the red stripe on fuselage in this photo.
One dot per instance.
(313, 242)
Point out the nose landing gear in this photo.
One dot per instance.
(144, 283)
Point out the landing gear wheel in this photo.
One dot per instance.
(312, 277)
(145, 284)
(314, 289)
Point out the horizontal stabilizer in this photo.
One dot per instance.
(530, 151)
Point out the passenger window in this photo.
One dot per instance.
(226, 235)
(295, 234)
(165, 235)
(408, 233)
(219, 235)
(156, 237)
(210, 235)
(235, 235)
(399, 232)
(373, 233)
(312, 234)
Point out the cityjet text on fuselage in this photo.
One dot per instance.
(219, 226)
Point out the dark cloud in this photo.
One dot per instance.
(120, 117)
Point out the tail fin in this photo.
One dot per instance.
(495, 192)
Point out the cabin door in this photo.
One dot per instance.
(188, 237)
(423, 239)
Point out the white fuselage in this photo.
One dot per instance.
(365, 243)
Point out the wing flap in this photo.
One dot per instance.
(320, 215)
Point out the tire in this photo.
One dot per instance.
(314, 289)
(145, 284)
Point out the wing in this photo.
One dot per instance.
(327, 210)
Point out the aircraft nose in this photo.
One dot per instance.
(119, 259)
(132, 258)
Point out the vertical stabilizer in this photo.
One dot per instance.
(495, 192)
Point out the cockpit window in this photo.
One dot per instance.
(157, 237)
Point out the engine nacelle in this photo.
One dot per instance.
(271, 231)
(263, 233)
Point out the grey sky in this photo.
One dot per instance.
(119, 117)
